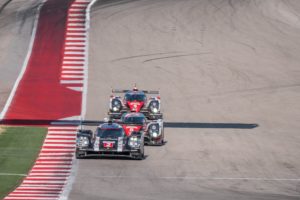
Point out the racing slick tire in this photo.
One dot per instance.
(140, 155)
(79, 154)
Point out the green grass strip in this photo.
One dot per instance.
(19, 148)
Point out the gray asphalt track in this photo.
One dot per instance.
(214, 61)
(217, 63)
(16, 24)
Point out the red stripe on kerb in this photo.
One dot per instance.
(76, 31)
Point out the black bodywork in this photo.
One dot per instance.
(109, 140)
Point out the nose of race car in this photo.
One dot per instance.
(129, 129)
(135, 106)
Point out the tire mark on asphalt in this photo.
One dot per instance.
(176, 56)
(4, 5)
(142, 55)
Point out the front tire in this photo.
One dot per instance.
(79, 155)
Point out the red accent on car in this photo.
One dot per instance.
(107, 144)
(130, 128)
(135, 106)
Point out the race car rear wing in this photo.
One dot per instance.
(145, 91)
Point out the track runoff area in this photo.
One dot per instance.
(57, 53)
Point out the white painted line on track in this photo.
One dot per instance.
(85, 85)
(11, 174)
(12, 94)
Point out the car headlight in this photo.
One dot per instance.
(83, 141)
(134, 142)
(116, 105)
(154, 107)
(154, 130)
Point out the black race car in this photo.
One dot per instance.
(135, 101)
(110, 139)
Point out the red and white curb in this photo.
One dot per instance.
(51, 171)
(74, 62)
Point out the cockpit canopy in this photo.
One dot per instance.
(110, 131)
(135, 96)
(133, 118)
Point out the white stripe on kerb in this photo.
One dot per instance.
(75, 43)
(74, 52)
(75, 9)
(74, 48)
(72, 76)
(62, 128)
(74, 57)
(72, 72)
(76, 14)
(71, 81)
(72, 67)
(78, 89)
(75, 19)
(75, 29)
(75, 24)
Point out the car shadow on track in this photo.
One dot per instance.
(41, 122)
(112, 158)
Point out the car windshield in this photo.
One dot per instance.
(110, 133)
(135, 97)
(134, 120)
